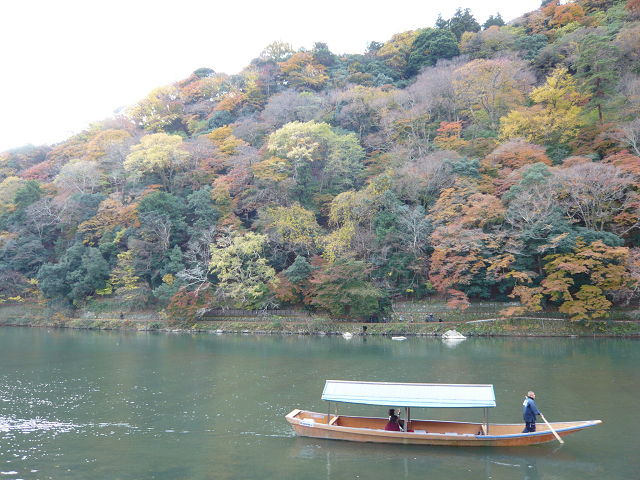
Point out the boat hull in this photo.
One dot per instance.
(368, 429)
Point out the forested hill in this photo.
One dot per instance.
(471, 162)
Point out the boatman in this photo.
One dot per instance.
(529, 412)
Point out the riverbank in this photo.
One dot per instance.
(529, 327)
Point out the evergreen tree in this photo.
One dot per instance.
(596, 65)
(491, 21)
(463, 21)
(431, 45)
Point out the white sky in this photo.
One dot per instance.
(66, 63)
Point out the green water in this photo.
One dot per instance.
(101, 405)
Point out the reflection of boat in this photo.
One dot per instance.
(420, 432)
(452, 335)
(398, 338)
(453, 343)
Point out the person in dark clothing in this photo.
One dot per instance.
(529, 412)
(392, 413)
(393, 425)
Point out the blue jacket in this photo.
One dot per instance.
(529, 410)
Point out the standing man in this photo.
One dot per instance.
(529, 412)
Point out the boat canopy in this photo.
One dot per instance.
(427, 395)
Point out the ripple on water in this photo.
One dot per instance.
(8, 424)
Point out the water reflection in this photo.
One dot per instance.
(413, 462)
(452, 342)
(8, 424)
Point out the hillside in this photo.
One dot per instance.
(464, 161)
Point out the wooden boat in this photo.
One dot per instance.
(420, 432)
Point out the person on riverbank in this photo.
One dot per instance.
(529, 412)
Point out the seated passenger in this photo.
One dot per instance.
(392, 412)
(393, 425)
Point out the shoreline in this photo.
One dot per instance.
(512, 327)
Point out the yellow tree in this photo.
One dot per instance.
(302, 71)
(159, 154)
(488, 89)
(111, 214)
(556, 116)
(395, 52)
(278, 51)
(241, 269)
(124, 282)
(158, 110)
(596, 268)
(294, 227)
(79, 176)
(352, 215)
(100, 145)
(8, 189)
(319, 159)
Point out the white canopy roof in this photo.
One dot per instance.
(429, 395)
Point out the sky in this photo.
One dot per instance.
(67, 63)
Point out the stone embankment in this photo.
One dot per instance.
(530, 327)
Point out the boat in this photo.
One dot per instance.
(453, 335)
(347, 335)
(420, 432)
(398, 338)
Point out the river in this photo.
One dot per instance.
(126, 405)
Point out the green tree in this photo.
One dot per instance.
(491, 21)
(530, 45)
(299, 270)
(342, 288)
(201, 214)
(171, 208)
(595, 65)
(430, 46)
(25, 254)
(170, 282)
(25, 196)
(463, 21)
(80, 273)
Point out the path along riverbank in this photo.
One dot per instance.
(529, 327)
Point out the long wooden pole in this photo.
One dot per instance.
(551, 428)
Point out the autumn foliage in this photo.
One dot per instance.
(339, 183)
